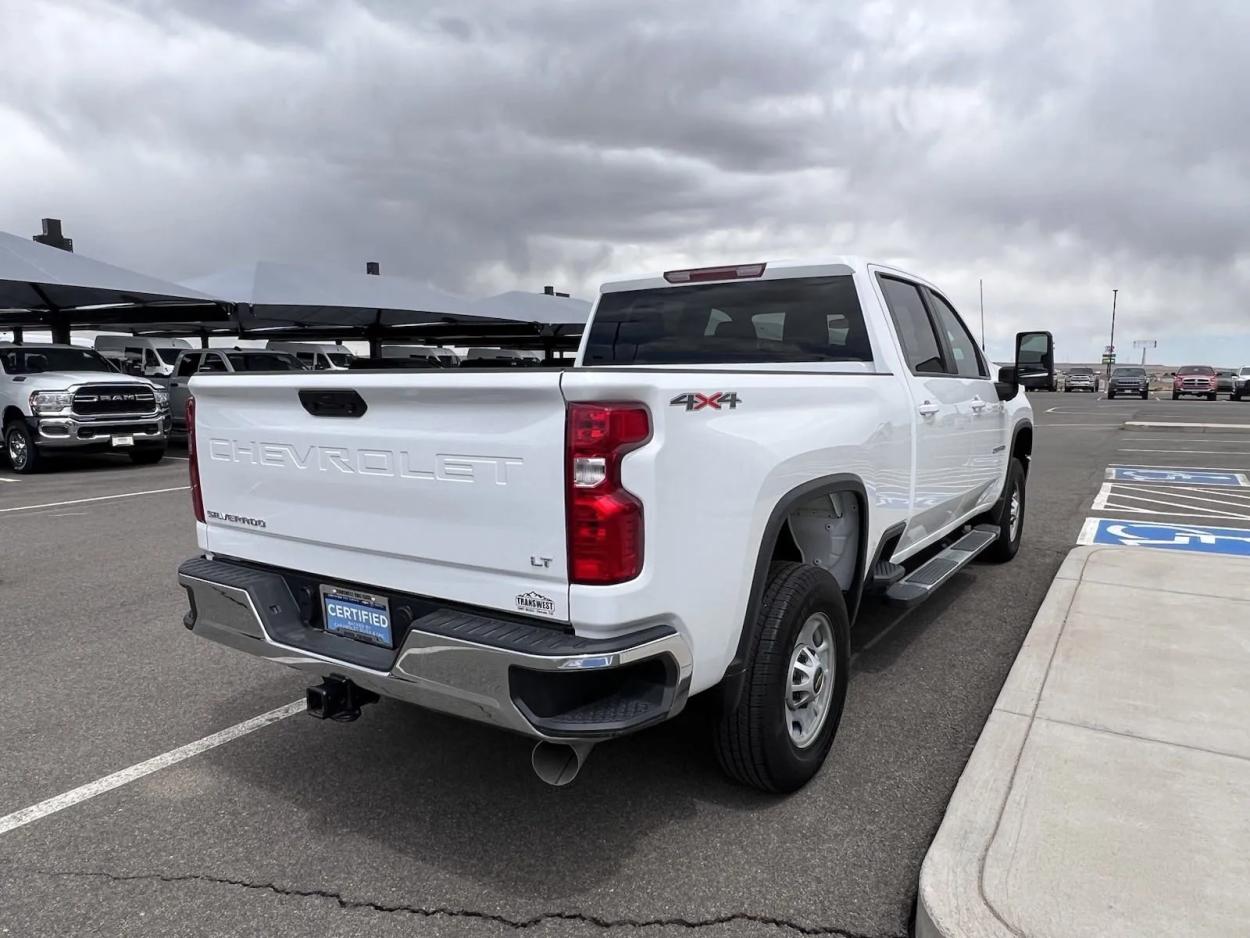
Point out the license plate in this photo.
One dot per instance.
(362, 616)
(127, 440)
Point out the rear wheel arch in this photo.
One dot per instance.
(778, 536)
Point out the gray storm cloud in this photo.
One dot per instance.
(1054, 149)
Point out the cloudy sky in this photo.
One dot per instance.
(1055, 149)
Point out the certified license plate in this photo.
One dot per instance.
(362, 616)
(127, 440)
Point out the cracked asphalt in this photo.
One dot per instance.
(408, 822)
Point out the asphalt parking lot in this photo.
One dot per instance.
(406, 822)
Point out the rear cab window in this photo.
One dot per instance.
(790, 319)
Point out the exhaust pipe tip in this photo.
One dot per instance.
(558, 764)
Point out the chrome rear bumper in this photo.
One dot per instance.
(532, 679)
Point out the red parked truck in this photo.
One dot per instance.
(1198, 380)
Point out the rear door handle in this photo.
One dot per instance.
(928, 409)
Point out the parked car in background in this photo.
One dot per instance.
(220, 361)
(317, 356)
(1198, 380)
(1225, 381)
(142, 355)
(61, 399)
(1081, 379)
(1130, 379)
(435, 355)
(1241, 385)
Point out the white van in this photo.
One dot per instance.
(436, 353)
(318, 356)
(141, 355)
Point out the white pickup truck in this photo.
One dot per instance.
(64, 399)
(699, 504)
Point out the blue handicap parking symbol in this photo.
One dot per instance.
(1178, 476)
(1190, 537)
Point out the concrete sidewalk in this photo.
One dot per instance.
(1109, 793)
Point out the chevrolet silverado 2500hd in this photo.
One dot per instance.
(737, 457)
(62, 399)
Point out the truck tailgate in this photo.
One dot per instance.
(449, 485)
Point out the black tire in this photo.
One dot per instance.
(19, 446)
(1145, 395)
(147, 456)
(1067, 390)
(754, 744)
(1213, 396)
(1175, 396)
(1111, 395)
(1004, 549)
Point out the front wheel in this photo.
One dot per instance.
(19, 446)
(1212, 396)
(1175, 396)
(778, 736)
(1009, 516)
(1145, 395)
(1111, 395)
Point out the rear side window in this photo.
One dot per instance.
(264, 361)
(800, 319)
(915, 329)
(187, 365)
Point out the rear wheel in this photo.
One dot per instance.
(20, 447)
(1009, 516)
(778, 736)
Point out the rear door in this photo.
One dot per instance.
(443, 484)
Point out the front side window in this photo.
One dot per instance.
(963, 347)
(211, 364)
(794, 319)
(915, 329)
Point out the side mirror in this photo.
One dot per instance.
(1035, 360)
(1007, 386)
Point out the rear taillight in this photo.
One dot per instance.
(605, 531)
(193, 462)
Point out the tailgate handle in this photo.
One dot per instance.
(333, 403)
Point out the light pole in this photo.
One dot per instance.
(1111, 348)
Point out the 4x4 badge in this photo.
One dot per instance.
(716, 400)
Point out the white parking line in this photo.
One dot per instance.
(3, 479)
(1198, 452)
(98, 498)
(1114, 496)
(1137, 465)
(124, 777)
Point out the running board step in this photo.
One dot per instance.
(884, 575)
(919, 585)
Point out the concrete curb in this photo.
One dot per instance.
(1172, 427)
(1109, 792)
(951, 902)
